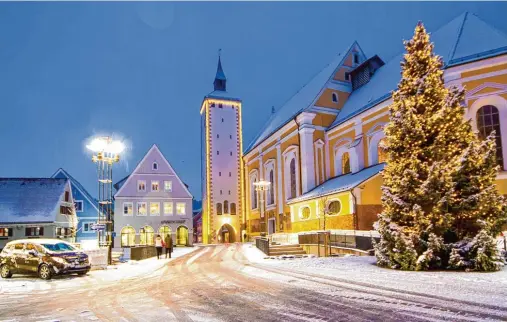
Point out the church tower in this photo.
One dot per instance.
(221, 164)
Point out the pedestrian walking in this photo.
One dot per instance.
(168, 245)
(158, 245)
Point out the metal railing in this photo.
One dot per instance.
(262, 243)
(361, 240)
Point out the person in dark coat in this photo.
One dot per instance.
(168, 245)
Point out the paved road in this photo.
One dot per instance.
(218, 283)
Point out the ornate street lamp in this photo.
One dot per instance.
(106, 151)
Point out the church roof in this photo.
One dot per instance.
(464, 39)
(30, 200)
(301, 100)
(220, 72)
(341, 183)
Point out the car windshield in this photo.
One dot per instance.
(58, 247)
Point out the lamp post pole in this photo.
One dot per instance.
(106, 151)
(261, 187)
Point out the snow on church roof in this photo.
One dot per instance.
(30, 200)
(464, 39)
(341, 183)
(301, 100)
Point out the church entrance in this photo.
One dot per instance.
(226, 234)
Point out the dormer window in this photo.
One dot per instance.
(335, 97)
(155, 166)
(356, 59)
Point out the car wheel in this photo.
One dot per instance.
(5, 272)
(45, 272)
(82, 273)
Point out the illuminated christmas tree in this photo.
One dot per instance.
(440, 205)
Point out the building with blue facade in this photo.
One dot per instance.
(86, 211)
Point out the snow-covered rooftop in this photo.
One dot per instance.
(463, 39)
(30, 200)
(75, 183)
(301, 100)
(341, 183)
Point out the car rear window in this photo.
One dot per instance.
(59, 247)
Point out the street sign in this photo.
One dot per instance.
(97, 226)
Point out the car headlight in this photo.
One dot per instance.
(60, 260)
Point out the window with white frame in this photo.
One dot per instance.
(128, 209)
(154, 208)
(269, 170)
(168, 186)
(142, 209)
(291, 172)
(253, 191)
(154, 186)
(319, 161)
(304, 213)
(168, 208)
(154, 166)
(180, 208)
(87, 227)
(141, 185)
(334, 207)
(78, 204)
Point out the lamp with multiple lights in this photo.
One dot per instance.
(106, 152)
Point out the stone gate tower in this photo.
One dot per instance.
(221, 164)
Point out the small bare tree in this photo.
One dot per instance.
(323, 210)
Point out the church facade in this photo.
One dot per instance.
(320, 150)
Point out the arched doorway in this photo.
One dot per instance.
(128, 236)
(164, 230)
(182, 236)
(226, 234)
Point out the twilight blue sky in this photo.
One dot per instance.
(140, 70)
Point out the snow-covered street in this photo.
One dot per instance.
(235, 283)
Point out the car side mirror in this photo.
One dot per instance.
(32, 252)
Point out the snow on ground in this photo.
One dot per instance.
(28, 283)
(487, 288)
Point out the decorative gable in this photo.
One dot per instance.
(486, 88)
(153, 170)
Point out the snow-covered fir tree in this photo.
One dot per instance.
(440, 205)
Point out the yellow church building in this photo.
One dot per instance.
(320, 150)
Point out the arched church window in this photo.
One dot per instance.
(292, 170)
(226, 207)
(345, 163)
(382, 156)
(271, 190)
(488, 120)
(219, 208)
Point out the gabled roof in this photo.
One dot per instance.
(302, 99)
(341, 183)
(30, 200)
(464, 39)
(78, 186)
(154, 147)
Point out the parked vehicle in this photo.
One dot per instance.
(44, 257)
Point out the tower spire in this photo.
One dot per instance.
(220, 81)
